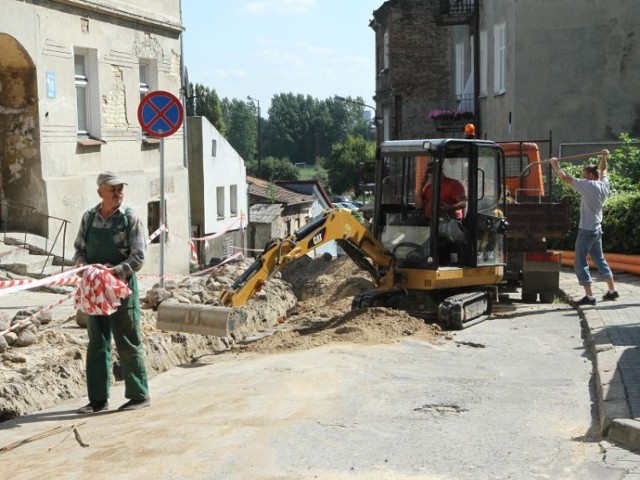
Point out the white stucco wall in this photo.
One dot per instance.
(209, 172)
(118, 43)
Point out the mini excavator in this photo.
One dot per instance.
(421, 262)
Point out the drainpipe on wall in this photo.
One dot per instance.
(476, 67)
(185, 137)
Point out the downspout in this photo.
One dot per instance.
(185, 135)
(476, 67)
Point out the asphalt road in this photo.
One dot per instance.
(506, 399)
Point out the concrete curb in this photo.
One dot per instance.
(613, 406)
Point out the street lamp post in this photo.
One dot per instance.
(258, 140)
(376, 119)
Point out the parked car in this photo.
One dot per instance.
(341, 198)
(345, 205)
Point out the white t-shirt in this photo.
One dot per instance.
(593, 195)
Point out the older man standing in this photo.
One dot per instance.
(594, 190)
(111, 238)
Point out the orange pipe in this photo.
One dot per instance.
(617, 261)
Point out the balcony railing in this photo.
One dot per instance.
(456, 12)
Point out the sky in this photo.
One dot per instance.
(260, 48)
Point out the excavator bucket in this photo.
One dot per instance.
(201, 319)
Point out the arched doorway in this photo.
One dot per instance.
(22, 188)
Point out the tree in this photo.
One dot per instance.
(272, 169)
(204, 102)
(343, 166)
(291, 119)
(242, 127)
(624, 165)
(304, 129)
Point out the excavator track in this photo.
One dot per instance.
(465, 309)
(456, 312)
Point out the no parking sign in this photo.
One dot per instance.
(160, 114)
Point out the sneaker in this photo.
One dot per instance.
(611, 296)
(94, 406)
(135, 404)
(586, 301)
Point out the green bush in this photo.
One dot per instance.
(620, 224)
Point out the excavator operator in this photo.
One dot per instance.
(453, 198)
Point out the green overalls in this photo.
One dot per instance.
(124, 324)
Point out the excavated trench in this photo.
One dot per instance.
(307, 305)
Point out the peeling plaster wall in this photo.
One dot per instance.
(20, 170)
(114, 104)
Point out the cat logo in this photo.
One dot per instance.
(317, 238)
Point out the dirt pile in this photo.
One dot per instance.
(323, 315)
(52, 369)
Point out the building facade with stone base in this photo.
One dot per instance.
(72, 74)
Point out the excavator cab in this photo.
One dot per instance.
(419, 233)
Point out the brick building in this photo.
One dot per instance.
(413, 67)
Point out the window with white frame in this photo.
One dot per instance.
(233, 200)
(220, 202)
(483, 63)
(143, 79)
(459, 66)
(85, 87)
(499, 58)
(385, 50)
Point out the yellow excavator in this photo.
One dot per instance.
(420, 260)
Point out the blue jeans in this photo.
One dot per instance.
(589, 242)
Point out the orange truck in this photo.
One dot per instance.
(534, 220)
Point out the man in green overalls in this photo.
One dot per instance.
(111, 237)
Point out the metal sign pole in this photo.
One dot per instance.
(163, 213)
(160, 114)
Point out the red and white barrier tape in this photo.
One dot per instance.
(228, 259)
(64, 278)
(63, 281)
(9, 252)
(221, 232)
(153, 236)
(193, 259)
(24, 321)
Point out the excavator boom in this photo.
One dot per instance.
(333, 224)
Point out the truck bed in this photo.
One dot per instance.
(537, 221)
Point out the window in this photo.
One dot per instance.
(459, 66)
(386, 126)
(214, 148)
(233, 200)
(82, 93)
(85, 70)
(153, 219)
(220, 202)
(483, 63)
(385, 50)
(499, 58)
(144, 79)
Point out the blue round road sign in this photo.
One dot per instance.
(160, 114)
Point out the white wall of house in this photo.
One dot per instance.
(218, 180)
(59, 171)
